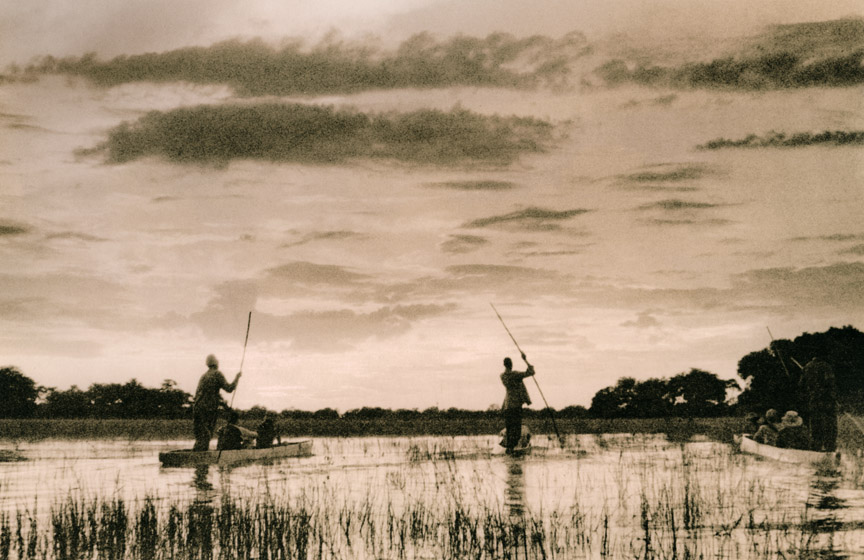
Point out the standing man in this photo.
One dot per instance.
(516, 395)
(205, 410)
(821, 389)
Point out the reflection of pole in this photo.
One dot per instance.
(551, 416)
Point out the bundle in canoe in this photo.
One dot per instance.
(799, 456)
(189, 458)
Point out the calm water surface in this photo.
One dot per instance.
(625, 493)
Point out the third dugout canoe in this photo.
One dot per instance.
(800, 456)
(189, 458)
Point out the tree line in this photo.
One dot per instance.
(771, 379)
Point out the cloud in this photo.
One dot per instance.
(463, 243)
(336, 235)
(558, 253)
(75, 236)
(293, 132)
(836, 285)
(832, 237)
(12, 228)
(533, 219)
(675, 204)
(330, 330)
(823, 54)
(690, 222)
(488, 185)
(312, 274)
(783, 140)
(255, 68)
(62, 347)
(644, 320)
(492, 274)
(78, 298)
(857, 250)
(666, 173)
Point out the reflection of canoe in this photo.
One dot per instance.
(188, 458)
(11, 456)
(801, 456)
(515, 452)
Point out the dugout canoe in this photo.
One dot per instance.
(189, 458)
(799, 456)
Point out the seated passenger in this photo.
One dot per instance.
(770, 429)
(233, 436)
(266, 434)
(752, 423)
(793, 434)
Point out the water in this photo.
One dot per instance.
(599, 495)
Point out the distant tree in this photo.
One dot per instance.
(72, 403)
(173, 402)
(651, 399)
(257, 412)
(573, 411)
(326, 413)
(614, 402)
(699, 393)
(18, 394)
(368, 412)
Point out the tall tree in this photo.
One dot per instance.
(770, 385)
(18, 394)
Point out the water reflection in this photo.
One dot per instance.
(200, 480)
(824, 509)
(514, 493)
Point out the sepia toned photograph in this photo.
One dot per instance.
(431, 279)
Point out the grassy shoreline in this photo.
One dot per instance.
(677, 429)
(160, 429)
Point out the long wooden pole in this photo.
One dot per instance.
(542, 396)
(248, 324)
(243, 359)
(777, 353)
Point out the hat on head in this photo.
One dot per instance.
(212, 361)
(791, 418)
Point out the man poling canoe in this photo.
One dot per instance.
(517, 395)
(208, 400)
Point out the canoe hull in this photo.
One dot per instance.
(799, 456)
(188, 458)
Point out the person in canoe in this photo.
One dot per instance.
(266, 434)
(793, 433)
(233, 436)
(208, 401)
(770, 428)
(820, 387)
(515, 396)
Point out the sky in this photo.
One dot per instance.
(619, 249)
